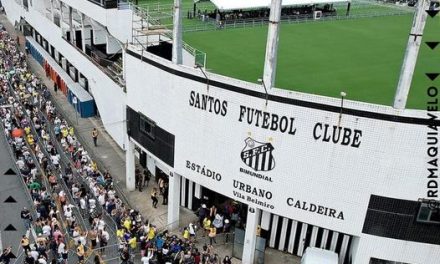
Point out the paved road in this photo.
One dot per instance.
(10, 186)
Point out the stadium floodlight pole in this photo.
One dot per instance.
(411, 53)
(177, 32)
(265, 88)
(204, 73)
(270, 61)
(343, 95)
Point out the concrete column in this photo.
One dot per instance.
(83, 32)
(52, 16)
(130, 164)
(61, 15)
(72, 33)
(270, 61)
(173, 200)
(177, 32)
(250, 238)
(412, 51)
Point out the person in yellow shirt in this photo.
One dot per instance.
(30, 140)
(80, 253)
(94, 166)
(25, 244)
(127, 223)
(71, 131)
(120, 232)
(133, 243)
(64, 132)
(212, 234)
(185, 234)
(151, 233)
(206, 224)
(27, 130)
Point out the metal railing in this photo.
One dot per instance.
(68, 163)
(117, 79)
(23, 183)
(144, 14)
(43, 179)
(38, 140)
(296, 19)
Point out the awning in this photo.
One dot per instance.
(224, 5)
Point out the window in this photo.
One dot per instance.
(428, 213)
(147, 126)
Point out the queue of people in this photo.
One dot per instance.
(40, 139)
(50, 240)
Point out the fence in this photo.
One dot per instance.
(154, 15)
(250, 23)
(42, 178)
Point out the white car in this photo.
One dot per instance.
(319, 256)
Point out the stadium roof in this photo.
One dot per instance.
(254, 4)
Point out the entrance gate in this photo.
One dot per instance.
(237, 250)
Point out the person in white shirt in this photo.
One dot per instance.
(42, 260)
(46, 230)
(75, 189)
(111, 194)
(82, 238)
(34, 254)
(92, 204)
(146, 259)
(20, 164)
(83, 205)
(101, 198)
(55, 160)
(76, 236)
(61, 248)
(101, 224)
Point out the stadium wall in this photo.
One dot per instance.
(284, 160)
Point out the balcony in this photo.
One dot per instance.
(111, 65)
(107, 4)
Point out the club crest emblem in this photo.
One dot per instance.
(258, 155)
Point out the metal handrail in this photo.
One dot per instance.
(28, 195)
(100, 210)
(253, 22)
(140, 12)
(43, 149)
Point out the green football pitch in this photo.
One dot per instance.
(361, 57)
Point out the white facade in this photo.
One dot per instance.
(332, 182)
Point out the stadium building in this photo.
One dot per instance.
(356, 178)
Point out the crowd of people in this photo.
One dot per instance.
(66, 186)
(50, 241)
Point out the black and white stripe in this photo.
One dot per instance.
(261, 161)
(294, 237)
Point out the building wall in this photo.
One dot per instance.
(117, 21)
(109, 97)
(386, 154)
